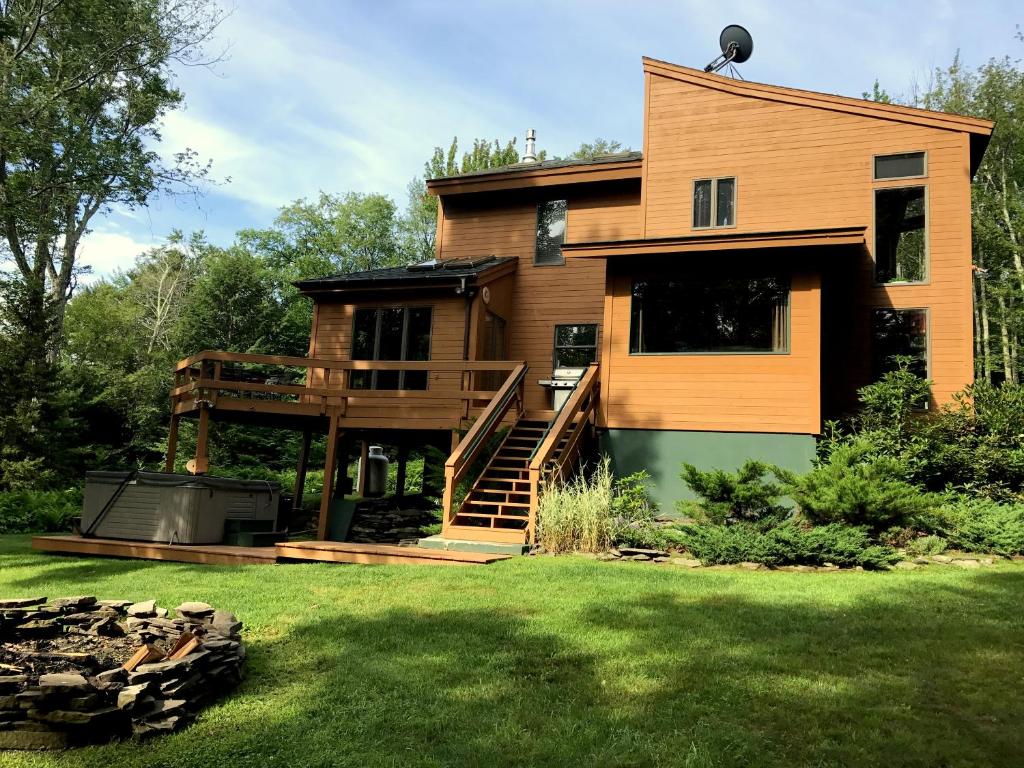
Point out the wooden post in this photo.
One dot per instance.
(364, 451)
(329, 471)
(300, 471)
(202, 460)
(403, 459)
(456, 439)
(172, 444)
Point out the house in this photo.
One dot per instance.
(718, 296)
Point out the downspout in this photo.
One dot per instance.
(468, 294)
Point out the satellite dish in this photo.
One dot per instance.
(736, 44)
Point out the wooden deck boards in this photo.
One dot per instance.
(217, 554)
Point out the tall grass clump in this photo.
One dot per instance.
(577, 516)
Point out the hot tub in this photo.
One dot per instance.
(172, 508)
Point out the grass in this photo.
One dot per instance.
(573, 662)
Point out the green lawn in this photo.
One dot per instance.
(568, 661)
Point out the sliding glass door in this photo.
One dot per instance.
(391, 333)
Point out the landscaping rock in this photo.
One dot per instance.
(21, 602)
(638, 556)
(905, 565)
(686, 562)
(649, 553)
(967, 563)
(33, 740)
(63, 682)
(145, 609)
(748, 566)
(941, 559)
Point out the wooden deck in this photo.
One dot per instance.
(217, 554)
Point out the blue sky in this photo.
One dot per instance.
(347, 95)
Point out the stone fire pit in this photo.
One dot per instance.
(78, 670)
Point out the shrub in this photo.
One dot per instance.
(981, 525)
(926, 545)
(786, 544)
(39, 511)
(577, 516)
(857, 486)
(732, 497)
(633, 512)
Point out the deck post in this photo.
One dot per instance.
(202, 459)
(329, 471)
(300, 471)
(403, 460)
(172, 444)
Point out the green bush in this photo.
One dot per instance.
(577, 516)
(786, 544)
(39, 511)
(731, 497)
(926, 545)
(981, 525)
(858, 486)
(633, 512)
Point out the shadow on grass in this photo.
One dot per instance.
(920, 675)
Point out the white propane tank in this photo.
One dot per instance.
(376, 472)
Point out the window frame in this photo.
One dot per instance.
(926, 257)
(565, 233)
(377, 310)
(927, 335)
(874, 169)
(714, 202)
(555, 345)
(786, 350)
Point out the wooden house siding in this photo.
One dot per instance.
(716, 392)
(543, 296)
(800, 167)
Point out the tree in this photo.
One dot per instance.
(598, 148)
(160, 282)
(83, 87)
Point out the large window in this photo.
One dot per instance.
(899, 333)
(550, 232)
(575, 345)
(710, 314)
(900, 235)
(714, 203)
(391, 333)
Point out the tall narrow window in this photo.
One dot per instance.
(899, 333)
(900, 235)
(727, 315)
(550, 232)
(714, 203)
(575, 345)
(391, 333)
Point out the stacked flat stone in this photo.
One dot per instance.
(91, 701)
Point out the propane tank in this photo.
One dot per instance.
(376, 469)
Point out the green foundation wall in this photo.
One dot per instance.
(661, 452)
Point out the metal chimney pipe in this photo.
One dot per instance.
(530, 156)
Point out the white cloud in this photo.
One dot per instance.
(107, 252)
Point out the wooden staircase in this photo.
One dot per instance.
(502, 504)
(497, 508)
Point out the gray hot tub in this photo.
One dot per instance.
(171, 508)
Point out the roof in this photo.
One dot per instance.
(615, 167)
(429, 274)
(719, 241)
(979, 129)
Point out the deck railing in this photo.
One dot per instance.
(487, 424)
(553, 459)
(317, 386)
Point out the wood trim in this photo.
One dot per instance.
(539, 177)
(818, 100)
(352, 365)
(381, 554)
(646, 147)
(719, 241)
(212, 554)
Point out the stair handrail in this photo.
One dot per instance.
(582, 400)
(461, 459)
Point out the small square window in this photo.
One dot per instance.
(900, 227)
(550, 232)
(903, 166)
(575, 345)
(714, 203)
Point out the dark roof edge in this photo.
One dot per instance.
(552, 166)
